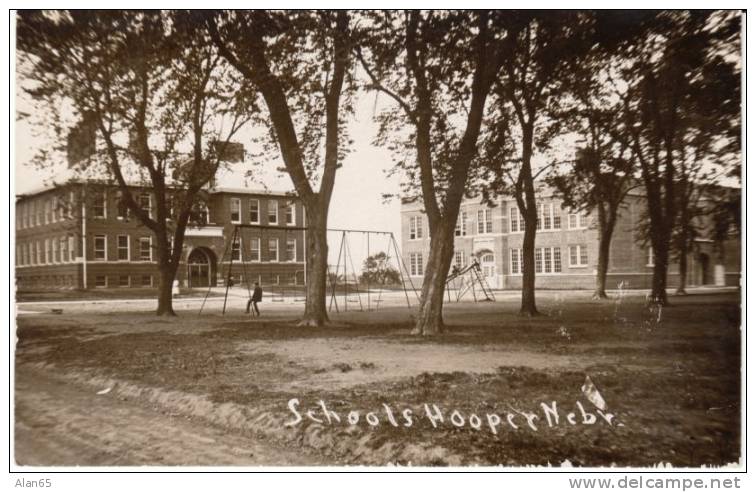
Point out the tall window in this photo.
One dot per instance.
(236, 211)
(459, 259)
(578, 255)
(461, 229)
(145, 248)
(416, 227)
(547, 266)
(71, 248)
(99, 205)
(290, 215)
(54, 209)
(40, 253)
(145, 203)
(516, 222)
(100, 247)
(254, 249)
(63, 244)
(122, 211)
(291, 250)
(272, 212)
(55, 250)
(577, 221)
(416, 264)
(236, 249)
(650, 257)
(548, 217)
(254, 211)
(200, 214)
(556, 214)
(48, 214)
(548, 260)
(123, 248)
(485, 223)
(273, 249)
(516, 261)
(40, 215)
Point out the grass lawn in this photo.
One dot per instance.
(670, 378)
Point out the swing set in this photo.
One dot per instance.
(336, 272)
(342, 279)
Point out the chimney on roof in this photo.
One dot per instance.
(229, 151)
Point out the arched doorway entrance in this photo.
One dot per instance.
(201, 268)
(488, 265)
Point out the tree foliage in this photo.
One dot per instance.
(377, 270)
(154, 92)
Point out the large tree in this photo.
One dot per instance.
(710, 149)
(437, 69)
(156, 94)
(602, 173)
(661, 87)
(545, 53)
(300, 63)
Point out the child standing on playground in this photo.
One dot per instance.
(256, 297)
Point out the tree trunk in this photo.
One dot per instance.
(683, 273)
(430, 316)
(603, 265)
(606, 229)
(528, 306)
(165, 291)
(659, 281)
(315, 314)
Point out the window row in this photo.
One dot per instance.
(549, 259)
(47, 281)
(254, 252)
(296, 278)
(50, 251)
(99, 204)
(123, 248)
(38, 212)
(103, 281)
(549, 218)
(253, 212)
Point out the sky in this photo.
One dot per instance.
(357, 201)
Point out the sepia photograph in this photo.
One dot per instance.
(386, 239)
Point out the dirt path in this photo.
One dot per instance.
(60, 424)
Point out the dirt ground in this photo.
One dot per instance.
(222, 383)
(68, 425)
